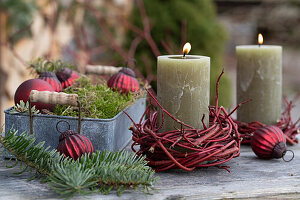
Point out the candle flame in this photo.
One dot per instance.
(260, 39)
(186, 48)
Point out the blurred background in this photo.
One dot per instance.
(134, 32)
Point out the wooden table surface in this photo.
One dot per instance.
(250, 177)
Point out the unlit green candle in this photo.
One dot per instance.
(183, 89)
(259, 77)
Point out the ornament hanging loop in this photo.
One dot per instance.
(79, 120)
(293, 155)
(61, 122)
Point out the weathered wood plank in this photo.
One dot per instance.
(249, 178)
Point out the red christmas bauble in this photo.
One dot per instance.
(67, 77)
(124, 81)
(74, 145)
(268, 142)
(51, 78)
(74, 76)
(23, 92)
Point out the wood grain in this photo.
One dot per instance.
(53, 97)
(249, 178)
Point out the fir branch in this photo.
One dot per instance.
(34, 156)
(120, 170)
(106, 169)
(68, 178)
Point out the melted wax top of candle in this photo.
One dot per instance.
(185, 57)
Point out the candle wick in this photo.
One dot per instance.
(184, 54)
(259, 45)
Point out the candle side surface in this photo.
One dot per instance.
(183, 90)
(259, 78)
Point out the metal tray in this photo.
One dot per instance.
(105, 134)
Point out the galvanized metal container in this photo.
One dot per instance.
(105, 134)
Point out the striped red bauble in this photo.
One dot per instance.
(67, 77)
(51, 78)
(74, 145)
(269, 142)
(124, 81)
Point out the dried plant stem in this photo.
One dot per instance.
(288, 127)
(186, 148)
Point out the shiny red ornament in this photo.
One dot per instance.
(269, 142)
(52, 79)
(74, 145)
(67, 77)
(124, 81)
(23, 92)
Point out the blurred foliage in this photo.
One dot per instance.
(40, 65)
(19, 17)
(203, 31)
(166, 18)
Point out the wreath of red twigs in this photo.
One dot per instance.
(288, 127)
(187, 148)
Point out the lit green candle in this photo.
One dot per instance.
(183, 88)
(259, 77)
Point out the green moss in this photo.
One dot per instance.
(97, 101)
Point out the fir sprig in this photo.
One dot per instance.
(105, 170)
(35, 156)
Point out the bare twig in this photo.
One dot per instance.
(132, 49)
(167, 47)
(183, 32)
(188, 147)
(289, 128)
(147, 29)
(107, 32)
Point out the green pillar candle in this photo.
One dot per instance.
(183, 89)
(259, 77)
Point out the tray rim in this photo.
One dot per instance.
(6, 111)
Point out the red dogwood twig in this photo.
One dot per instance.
(288, 127)
(186, 148)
